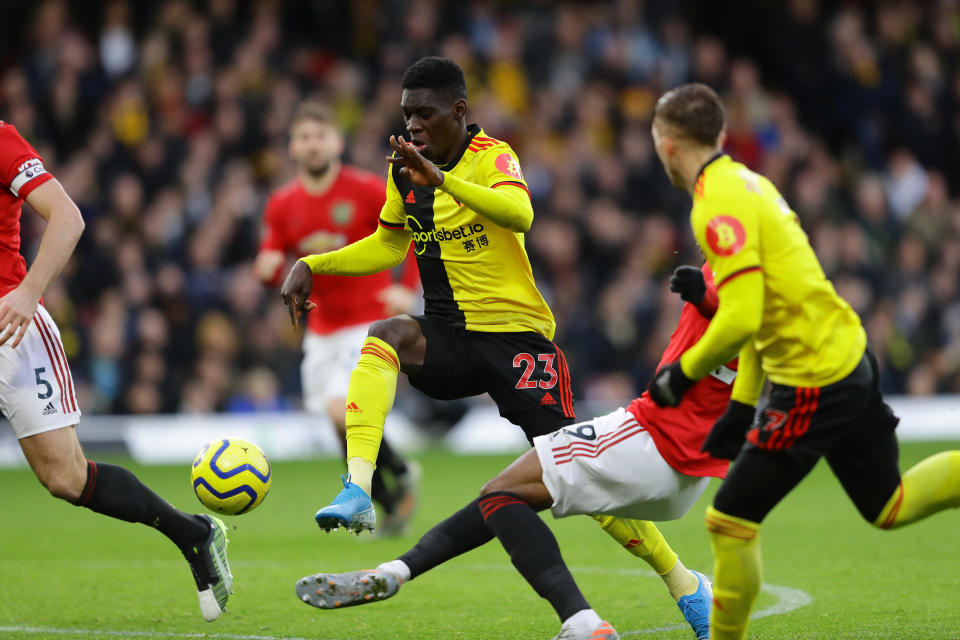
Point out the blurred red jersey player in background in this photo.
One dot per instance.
(327, 206)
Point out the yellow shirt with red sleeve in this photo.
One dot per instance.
(467, 237)
(777, 309)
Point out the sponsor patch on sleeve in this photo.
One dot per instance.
(725, 235)
(508, 165)
(32, 168)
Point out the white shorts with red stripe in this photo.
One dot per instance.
(36, 388)
(610, 465)
(328, 361)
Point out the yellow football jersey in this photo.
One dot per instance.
(809, 336)
(475, 274)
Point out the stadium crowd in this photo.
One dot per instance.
(167, 124)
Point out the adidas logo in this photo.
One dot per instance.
(47, 410)
(410, 199)
(634, 543)
(353, 408)
(547, 399)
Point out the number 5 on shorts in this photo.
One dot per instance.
(43, 395)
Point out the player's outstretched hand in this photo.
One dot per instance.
(17, 309)
(689, 283)
(729, 431)
(421, 171)
(296, 291)
(669, 384)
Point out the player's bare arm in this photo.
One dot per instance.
(64, 226)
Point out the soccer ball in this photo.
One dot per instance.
(230, 476)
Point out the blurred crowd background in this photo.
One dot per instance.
(167, 123)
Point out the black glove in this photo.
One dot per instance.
(689, 283)
(729, 431)
(669, 384)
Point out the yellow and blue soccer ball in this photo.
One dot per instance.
(230, 476)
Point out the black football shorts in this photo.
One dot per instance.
(847, 422)
(525, 373)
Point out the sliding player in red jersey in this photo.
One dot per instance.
(36, 386)
(327, 206)
(634, 465)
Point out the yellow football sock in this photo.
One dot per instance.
(680, 581)
(736, 573)
(644, 540)
(929, 486)
(373, 385)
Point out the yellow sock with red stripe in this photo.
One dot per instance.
(929, 486)
(644, 540)
(737, 573)
(373, 386)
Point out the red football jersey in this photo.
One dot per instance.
(679, 432)
(302, 224)
(21, 171)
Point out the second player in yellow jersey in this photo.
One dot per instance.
(779, 311)
(808, 336)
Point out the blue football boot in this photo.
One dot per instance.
(696, 607)
(352, 508)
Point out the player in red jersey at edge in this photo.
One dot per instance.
(36, 387)
(327, 206)
(626, 468)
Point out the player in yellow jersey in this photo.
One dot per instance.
(778, 311)
(460, 197)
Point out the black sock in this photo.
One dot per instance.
(114, 491)
(390, 460)
(459, 533)
(533, 550)
(380, 493)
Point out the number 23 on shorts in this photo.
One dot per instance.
(529, 363)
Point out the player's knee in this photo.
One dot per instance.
(403, 334)
(496, 485)
(387, 330)
(64, 481)
(65, 486)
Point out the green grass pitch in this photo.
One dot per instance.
(66, 572)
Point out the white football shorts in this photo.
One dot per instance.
(36, 388)
(610, 465)
(328, 361)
